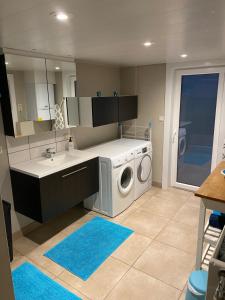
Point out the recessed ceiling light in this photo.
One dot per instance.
(148, 44)
(57, 68)
(184, 55)
(61, 16)
(6, 63)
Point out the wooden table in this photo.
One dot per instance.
(212, 194)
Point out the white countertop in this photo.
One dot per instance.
(117, 147)
(42, 166)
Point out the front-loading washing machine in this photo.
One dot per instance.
(116, 180)
(143, 169)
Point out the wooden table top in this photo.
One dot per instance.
(214, 186)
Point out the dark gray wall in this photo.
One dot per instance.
(6, 290)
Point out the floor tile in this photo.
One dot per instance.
(77, 215)
(194, 201)
(146, 196)
(145, 223)
(167, 194)
(188, 214)
(180, 236)
(24, 245)
(136, 285)
(71, 289)
(101, 282)
(24, 259)
(183, 295)
(132, 248)
(166, 263)
(163, 206)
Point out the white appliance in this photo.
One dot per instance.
(182, 141)
(143, 163)
(116, 176)
(143, 169)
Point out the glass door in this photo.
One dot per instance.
(196, 126)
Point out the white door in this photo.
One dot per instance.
(197, 137)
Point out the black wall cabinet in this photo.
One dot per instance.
(104, 110)
(99, 111)
(128, 108)
(45, 198)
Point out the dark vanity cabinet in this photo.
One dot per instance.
(127, 108)
(45, 198)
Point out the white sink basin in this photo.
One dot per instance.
(41, 167)
(57, 160)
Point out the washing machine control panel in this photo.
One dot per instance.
(143, 150)
(122, 159)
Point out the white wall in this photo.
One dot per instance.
(149, 83)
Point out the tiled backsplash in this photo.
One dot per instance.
(26, 148)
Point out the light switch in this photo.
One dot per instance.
(20, 107)
(161, 118)
(1, 150)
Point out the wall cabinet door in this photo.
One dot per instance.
(128, 108)
(104, 110)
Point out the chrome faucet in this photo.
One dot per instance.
(49, 152)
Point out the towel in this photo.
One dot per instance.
(58, 123)
(217, 219)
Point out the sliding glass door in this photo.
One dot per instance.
(197, 112)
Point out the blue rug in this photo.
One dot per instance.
(31, 284)
(86, 249)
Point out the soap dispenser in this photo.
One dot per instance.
(70, 144)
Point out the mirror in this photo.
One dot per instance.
(64, 109)
(28, 93)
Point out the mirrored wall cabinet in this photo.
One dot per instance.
(37, 94)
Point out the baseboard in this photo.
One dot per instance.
(157, 184)
(25, 230)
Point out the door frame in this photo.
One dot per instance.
(171, 70)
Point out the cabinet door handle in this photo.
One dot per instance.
(76, 171)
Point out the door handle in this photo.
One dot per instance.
(174, 136)
(76, 171)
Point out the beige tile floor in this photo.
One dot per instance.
(153, 263)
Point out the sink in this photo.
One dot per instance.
(58, 160)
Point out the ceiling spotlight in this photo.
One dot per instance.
(6, 63)
(61, 16)
(57, 68)
(148, 44)
(183, 55)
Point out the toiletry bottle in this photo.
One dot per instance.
(70, 144)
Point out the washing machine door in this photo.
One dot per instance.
(145, 168)
(182, 145)
(126, 179)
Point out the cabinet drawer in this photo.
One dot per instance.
(67, 188)
(45, 198)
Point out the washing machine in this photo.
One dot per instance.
(182, 142)
(143, 169)
(116, 180)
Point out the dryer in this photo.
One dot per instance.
(143, 169)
